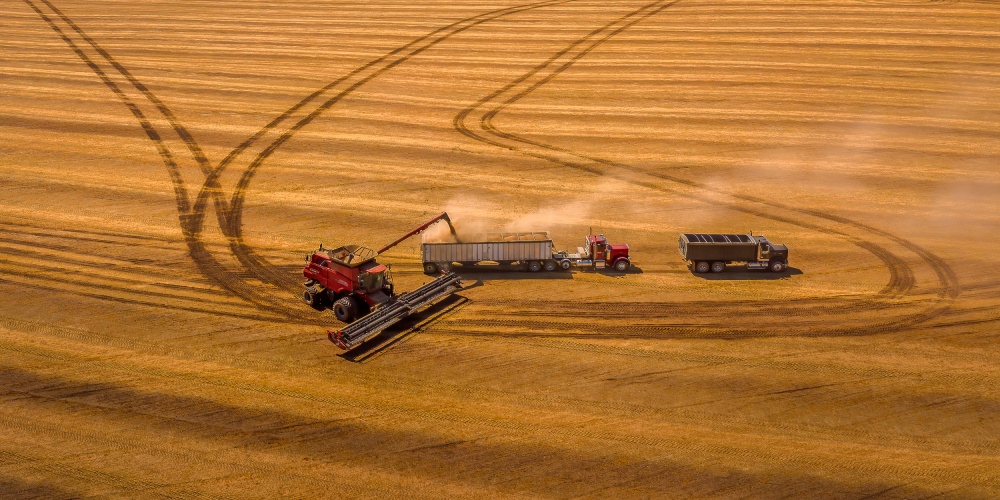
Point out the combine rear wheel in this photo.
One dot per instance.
(313, 297)
(345, 309)
(430, 268)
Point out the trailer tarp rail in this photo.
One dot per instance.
(717, 238)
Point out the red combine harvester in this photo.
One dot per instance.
(350, 281)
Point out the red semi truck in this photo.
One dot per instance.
(530, 250)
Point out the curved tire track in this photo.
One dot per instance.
(901, 281)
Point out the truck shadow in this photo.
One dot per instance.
(498, 273)
(404, 330)
(740, 274)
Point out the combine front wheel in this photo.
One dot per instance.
(345, 309)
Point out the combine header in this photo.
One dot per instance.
(402, 306)
(349, 281)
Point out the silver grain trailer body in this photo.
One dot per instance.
(502, 248)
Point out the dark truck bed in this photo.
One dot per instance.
(718, 247)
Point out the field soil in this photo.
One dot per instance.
(165, 166)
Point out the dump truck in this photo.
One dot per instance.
(360, 291)
(533, 250)
(713, 252)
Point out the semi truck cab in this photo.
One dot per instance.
(767, 251)
(597, 251)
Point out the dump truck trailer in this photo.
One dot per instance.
(713, 252)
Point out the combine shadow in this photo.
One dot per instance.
(743, 274)
(405, 329)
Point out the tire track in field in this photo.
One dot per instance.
(191, 457)
(301, 115)
(229, 213)
(189, 221)
(902, 278)
(234, 379)
(47, 258)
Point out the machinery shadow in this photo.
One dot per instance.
(404, 330)
(742, 274)
(498, 273)
(611, 272)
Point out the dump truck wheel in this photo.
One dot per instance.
(345, 309)
(565, 264)
(622, 265)
(701, 267)
(777, 266)
(718, 267)
(430, 268)
(534, 266)
(551, 265)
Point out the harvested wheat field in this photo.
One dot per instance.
(164, 167)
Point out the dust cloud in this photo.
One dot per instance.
(473, 220)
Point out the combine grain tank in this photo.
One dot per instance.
(713, 252)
